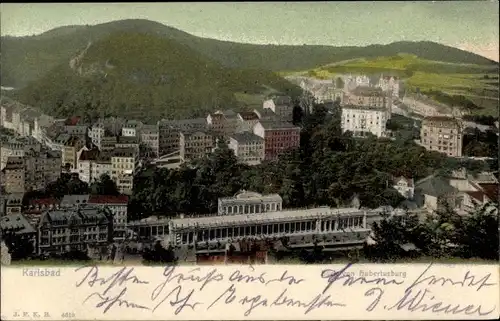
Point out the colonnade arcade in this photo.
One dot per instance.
(190, 235)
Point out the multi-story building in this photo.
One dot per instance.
(282, 106)
(362, 120)
(118, 208)
(106, 127)
(62, 230)
(389, 84)
(247, 147)
(14, 175)
(17, 147)
(128, 142)
(41, 168)
(169, 132)
(196, 144)
(150, 138)
(69, 152)
(442, 134)
(20, 226)
(14, 203)
(279, 136)
(132, 128)
(86, 161)
(101, 165)
(222, 123)
(124, 162)
(370, 97)
(246, 121)
(108, 143)
(247, 202)
(405, 186)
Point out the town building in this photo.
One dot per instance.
(117, 204)
(124, 162)
(405, 187)
(105, 127)
(169, 132)
(442, 134)
(17, 146)
(41, 168)
(435, 193)
(363, 120)
(13, 203)
(128, 142)
(108, 143)
(279, 137)
(247, 147)
(196, 144)
(222, 123)
(266, 114)
(62, 230)
(69, 152)
(85, 162)
(282, 106)
(150, 138)
(14, 175)
(19, 226)
(246, 121)
(389, 84)
(369, 97)
(132, 128)
(247, 202)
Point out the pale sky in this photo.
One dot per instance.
(469, 25)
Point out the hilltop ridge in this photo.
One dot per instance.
(25, 59)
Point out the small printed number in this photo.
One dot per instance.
(68, 315)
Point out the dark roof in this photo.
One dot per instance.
(70, 200)
(276, 124)
(368, 91)
(435, 186)
(248, 115)
(73, 121)
(246, 137)
(44, 201)
(363, 107)
(108, 199)
(88, 155)
(127, 140)
(17, 223)
(491, 190)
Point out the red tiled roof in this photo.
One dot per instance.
(491, 190)
(73, 121)
(44, 201)
(478, 195)
(108, 199)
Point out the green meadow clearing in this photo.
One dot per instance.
(478, 83)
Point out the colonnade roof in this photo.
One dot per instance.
(249, 195)
(265, 217)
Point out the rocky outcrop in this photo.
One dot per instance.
(76, 62)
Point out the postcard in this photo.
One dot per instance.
(257, 161)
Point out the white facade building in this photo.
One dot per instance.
(361, 120)
(246, 202)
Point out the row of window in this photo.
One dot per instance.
(251, 208)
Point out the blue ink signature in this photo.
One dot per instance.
(468, 280)
(180, 302)
(117, 279)
(229, 296)
(239, 276)
(108, 302)
(415, 302)
(333, 276)
(168, 273)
